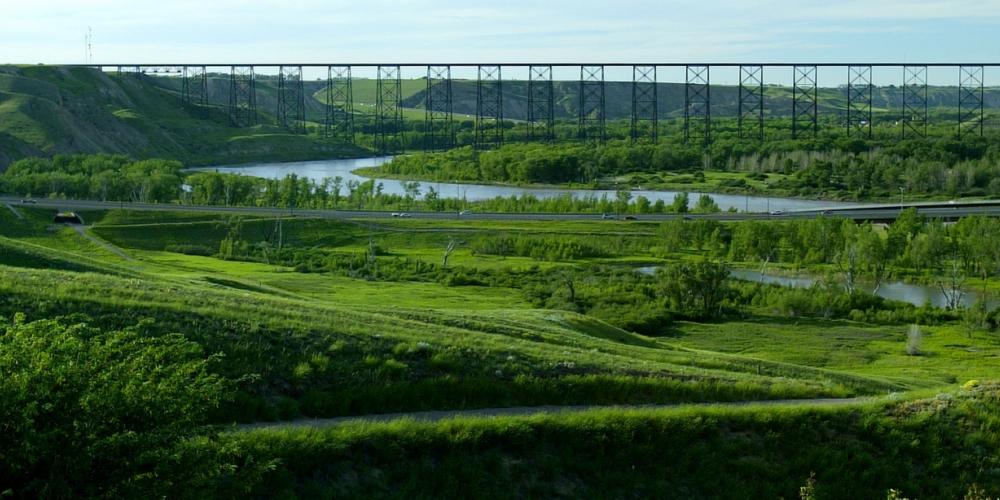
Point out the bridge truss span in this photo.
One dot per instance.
(604, 103)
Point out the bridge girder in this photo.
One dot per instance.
(541, 110)
(859, 101)
(645, 108)
(388, 111)
(751, 103)
(698, 104)
(194, 88)
(914, 119)
(242, 96)
(339, 121)
(805, 100)
(489, 107)
(291, 99)
(591, 108)
(438, 109)
(970, 100)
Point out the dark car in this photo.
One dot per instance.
(29, 200)
(631, 217)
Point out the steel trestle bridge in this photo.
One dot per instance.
(591, 93)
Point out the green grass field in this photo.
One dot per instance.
(321, 344)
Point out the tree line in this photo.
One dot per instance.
(117, 178)
(844, 167)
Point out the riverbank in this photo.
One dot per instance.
(358, 169)
(709, 182)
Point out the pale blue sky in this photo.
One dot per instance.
(52, 31)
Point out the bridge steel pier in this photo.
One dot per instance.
(541, 111)
(751, 103)
(339, 120)
(591, 108)
(440, 131)
(644, 105)
(242, 96)
(805, 101)
(914, 102)
(133, 71)
(388, 111)
(970, 100)
(489, 107)
(291, 99)
(697, 104)
(859, 101)
(194, 87)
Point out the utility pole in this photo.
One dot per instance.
(88, 46)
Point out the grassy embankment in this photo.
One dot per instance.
(46, 111)
(324, 345)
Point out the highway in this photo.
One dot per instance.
(873, 213)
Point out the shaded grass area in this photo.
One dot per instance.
(930, 448)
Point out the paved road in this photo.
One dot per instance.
(435, 416)
(878, 213)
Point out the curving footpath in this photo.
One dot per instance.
(439, 415)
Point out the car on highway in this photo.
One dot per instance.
(404, 214)
(827, 212)
(464, 212)
(777, 212)
(29, 200)
(631, 217)
(688, 217)
(395, 214)
(607, 217)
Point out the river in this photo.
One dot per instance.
(915, 294)
(317, 170)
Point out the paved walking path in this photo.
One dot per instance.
(82, 231)
(435, 416)
(15, 211)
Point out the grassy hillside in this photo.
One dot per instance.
(325, 345)
(940, 447)
(293, 340)
(50, 110)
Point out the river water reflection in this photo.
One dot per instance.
(343, 168)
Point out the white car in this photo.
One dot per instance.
(777, 212)
(395, 214)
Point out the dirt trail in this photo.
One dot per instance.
(82, 231)
(435, 416)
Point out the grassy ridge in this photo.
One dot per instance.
(930, 448)
(323, 360)
(953, 353)
(51, 110)
(314, 344)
